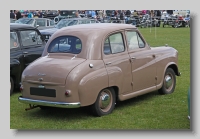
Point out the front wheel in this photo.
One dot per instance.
(169, 82)
(104, 103)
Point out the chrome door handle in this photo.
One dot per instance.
(133, 58)
(25, 52)
(108, 63)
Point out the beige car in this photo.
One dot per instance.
(97, 65)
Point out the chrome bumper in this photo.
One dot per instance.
(48, 103)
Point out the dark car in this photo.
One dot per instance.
(51, 14)
(26, 45)
(64, 14)
(64, 23)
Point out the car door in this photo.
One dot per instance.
(32, 45)
(16, 56)
(142, 61)
(116, 59)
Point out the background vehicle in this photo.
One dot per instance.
(64, 23)
(40, 23)
(63, 14)
(26, 45)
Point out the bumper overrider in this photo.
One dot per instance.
(48, 103)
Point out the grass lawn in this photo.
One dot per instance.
(150, 111)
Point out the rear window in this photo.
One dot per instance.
(65, 44)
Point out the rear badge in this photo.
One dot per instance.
(41, 74)
(40, 86)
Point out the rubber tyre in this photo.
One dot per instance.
(169, 73)
(11, 86)
(98, 109)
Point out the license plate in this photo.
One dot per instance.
(43, 92)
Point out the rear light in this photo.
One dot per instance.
(67, 93)
(21, 88)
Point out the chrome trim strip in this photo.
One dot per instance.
(49, 103)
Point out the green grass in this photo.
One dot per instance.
(150, 111)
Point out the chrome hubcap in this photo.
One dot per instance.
(168, 81)
(105, 100)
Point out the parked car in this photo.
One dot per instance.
(96, 65)
(51, 14)
(24, 49)
(41, 23)
(64, 14)
(12, 20)
(64, 23)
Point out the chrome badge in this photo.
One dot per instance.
(40, 86)
(41, 74)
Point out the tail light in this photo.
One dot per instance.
(67, 93)
(21, 88)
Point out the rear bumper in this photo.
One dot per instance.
(48, 103)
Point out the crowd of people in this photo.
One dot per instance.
(16, 14)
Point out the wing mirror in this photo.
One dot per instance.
(37, 26)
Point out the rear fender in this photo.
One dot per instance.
(90, 86)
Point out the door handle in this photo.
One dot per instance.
(108, 63)
(25, 52)
(133, 58)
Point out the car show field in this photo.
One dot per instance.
(148, 111)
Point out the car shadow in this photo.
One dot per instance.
(82, 112)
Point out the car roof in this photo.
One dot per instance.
(107, 27)
(91, 36)
(78, 19)
(17, 26)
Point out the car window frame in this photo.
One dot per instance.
(138, 34)
(30, 46)
(65, 52)
(104, 56)
(19, 42)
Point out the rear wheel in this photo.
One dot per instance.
(105, 102)
(169, 82)
(11, 85)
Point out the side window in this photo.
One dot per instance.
(14, 43)
(30, 37)
(82, 21)
(87, 21)
(52, 23)
(114, 44)
(132, 40)
(35, 24)
(47, 23)
(93, 21)
(107, 49)
(141, 43)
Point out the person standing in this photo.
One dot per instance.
(30, 14)
(12, 15)
(18, 14)
(77, 15)
(93, 14)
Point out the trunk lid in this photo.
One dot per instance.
(51, 69)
